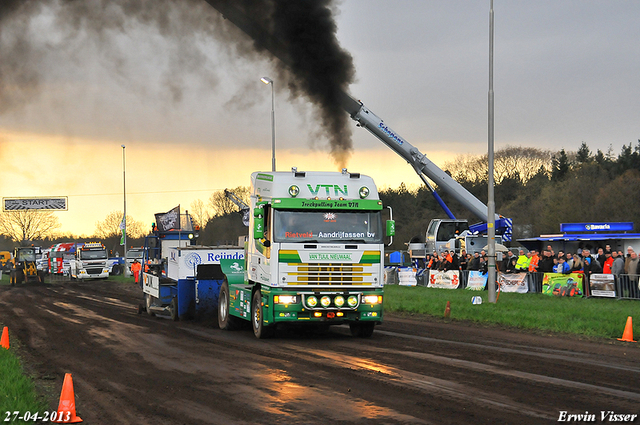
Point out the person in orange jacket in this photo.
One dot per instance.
(135, 269)
(533, 261)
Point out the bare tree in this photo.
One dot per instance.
(200, 213)
(28, 225)
(509, 162)
(221, 205)
(110, 226)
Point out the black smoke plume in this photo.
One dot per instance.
(300, 33)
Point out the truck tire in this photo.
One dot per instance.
(362, 330)
(173, 309)
(116, 270)
(257, 314)
(225, 320)
(148, 301)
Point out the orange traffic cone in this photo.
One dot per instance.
(4, 342)
(67, 407)
(627, 335)
(447, 310)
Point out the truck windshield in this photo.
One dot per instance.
(135, 254)
(99, 254)
(327, 226)
(27, 255)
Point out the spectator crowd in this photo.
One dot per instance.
(604, 260)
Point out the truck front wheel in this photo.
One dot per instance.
(225, 320)
(257, 315)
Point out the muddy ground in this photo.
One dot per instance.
(136, 369)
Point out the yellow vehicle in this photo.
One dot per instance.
(24, 269)
(5, 260)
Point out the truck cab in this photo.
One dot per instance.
(132, 255)
(90, 262)
(314, 255)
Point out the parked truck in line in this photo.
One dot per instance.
(89, 262)
(132, 255)
(314, 255)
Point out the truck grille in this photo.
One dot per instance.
(95, 270)
(328, 274)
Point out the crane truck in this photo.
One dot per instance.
(448, 233)
(314, 255)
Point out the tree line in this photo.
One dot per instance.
(538, 189)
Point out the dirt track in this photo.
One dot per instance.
(135, 369)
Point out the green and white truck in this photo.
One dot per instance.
(314, 255)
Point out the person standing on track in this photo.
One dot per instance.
(135, 270)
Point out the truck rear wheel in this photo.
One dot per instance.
(257, 315)
(225, 320)
(173, 309)
(148, 301)
(362, 330)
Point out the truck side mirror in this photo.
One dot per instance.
(391, 228)
(258, 227)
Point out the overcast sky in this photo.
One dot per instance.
(565, 72)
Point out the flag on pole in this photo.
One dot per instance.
(123, 227)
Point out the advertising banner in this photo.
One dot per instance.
(446, 280)
(407, 276)
(602, 285)
(563, 285)
(477, 281)
(513, 282)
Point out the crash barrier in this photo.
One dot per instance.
(623, 286)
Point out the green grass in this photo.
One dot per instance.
(17, 390)
(592, 317)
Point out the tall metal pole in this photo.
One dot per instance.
(124, 191)
(491, 205)
(268, 81)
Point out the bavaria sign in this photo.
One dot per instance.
(18, 204)
(597, 227)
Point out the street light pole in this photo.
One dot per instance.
(268, 81)
(491, 205)
(124, 191)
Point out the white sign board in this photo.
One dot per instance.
(183, 262)
(18, 204)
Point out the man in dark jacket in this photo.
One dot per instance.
(546, 262)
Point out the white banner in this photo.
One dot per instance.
(516, 282)
(477, 281)
(407, 276)
(447, 280)
(602, 285)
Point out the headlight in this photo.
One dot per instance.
(364, 192)
(294, 190)
(285, 299)
(339, 301)
(325, 301)
(352, 301)
(372, 299)
(312, 301)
